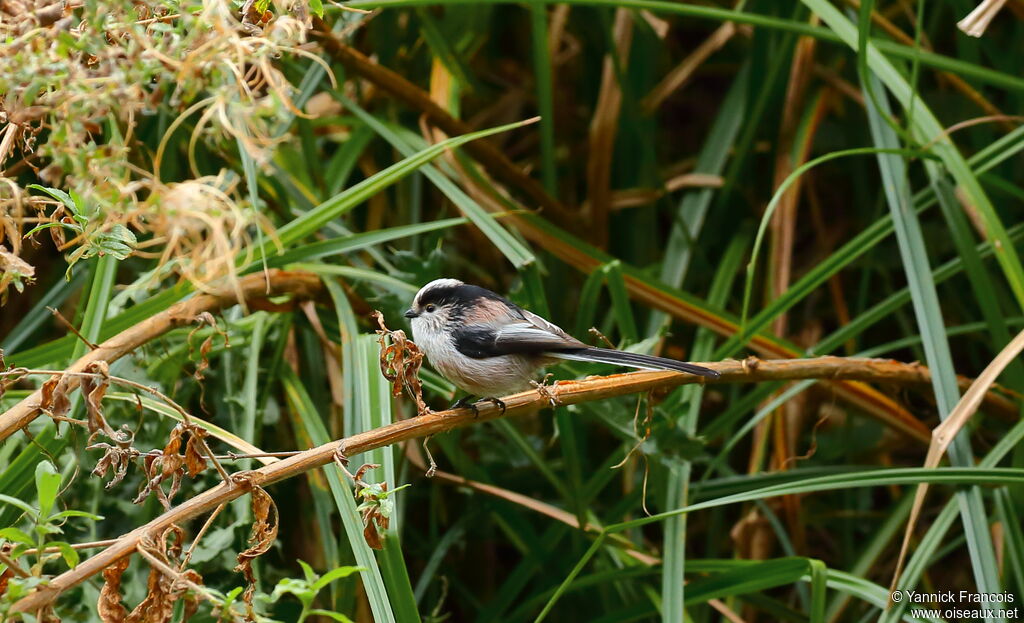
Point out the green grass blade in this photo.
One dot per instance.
(937, 353)
(358, 242)
(927, 129)
(545, 95)
(510, 247)
(337, 205)
(344, 499)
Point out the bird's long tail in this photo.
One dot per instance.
(633, 360)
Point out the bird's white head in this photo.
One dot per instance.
(432, 306)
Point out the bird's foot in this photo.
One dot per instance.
(544, 389)
(466, 402)
(497, 402)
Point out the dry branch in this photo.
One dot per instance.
(750, 370)
(272, 283)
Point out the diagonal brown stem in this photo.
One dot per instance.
(261, 285)
(564, 393)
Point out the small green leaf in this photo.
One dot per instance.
(337, 616)
(311, 575)
(64, 198)
(34, 513)
(335, 574)
(74, 513)
(119, 242)
(74, 228)
(17, 536)
(46, 528)
(68, 553)
(231, 597)
(299, 588)
(47, 487)
(317, 6)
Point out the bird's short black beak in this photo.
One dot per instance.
(410, 313)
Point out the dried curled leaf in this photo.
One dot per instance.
(400, 362)
(55, 401)
(169, 464)
(376, 508)
(195, 458)
(158, 606)
(116, 458)
(109, 605)
(264, 532)
(205, 318)
(94, 389)
(162, 591)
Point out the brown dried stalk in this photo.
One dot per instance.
(272, 283)
(750, 370)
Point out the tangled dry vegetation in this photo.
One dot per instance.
(92, 94)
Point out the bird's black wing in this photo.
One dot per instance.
(520, 338)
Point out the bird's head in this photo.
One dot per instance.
(435, 303)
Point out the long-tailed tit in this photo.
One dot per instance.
(489, 346)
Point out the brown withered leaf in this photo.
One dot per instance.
(400, 362)
(162, 591)
(57, 233)
(195, 458)
(174, 548)
(202, 319)
(55, 401)
(371, 536)
(171, 459)
(109, 606)
(94, 389)
(374, 520)
(191, 599)
(170, 464)
(374, 524)
(5, 577)
(158, 605)
(264, 532)
(115, 458)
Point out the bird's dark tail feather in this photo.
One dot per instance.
(633, 360)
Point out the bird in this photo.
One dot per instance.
(488, 346)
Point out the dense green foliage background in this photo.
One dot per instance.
(707, 181)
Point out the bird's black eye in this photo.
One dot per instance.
(430, 307)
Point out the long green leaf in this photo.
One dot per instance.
(933, 332)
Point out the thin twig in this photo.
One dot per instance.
(87, 545)
(71, 327)
(12, 565)
(175, 576)
(199, 535)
